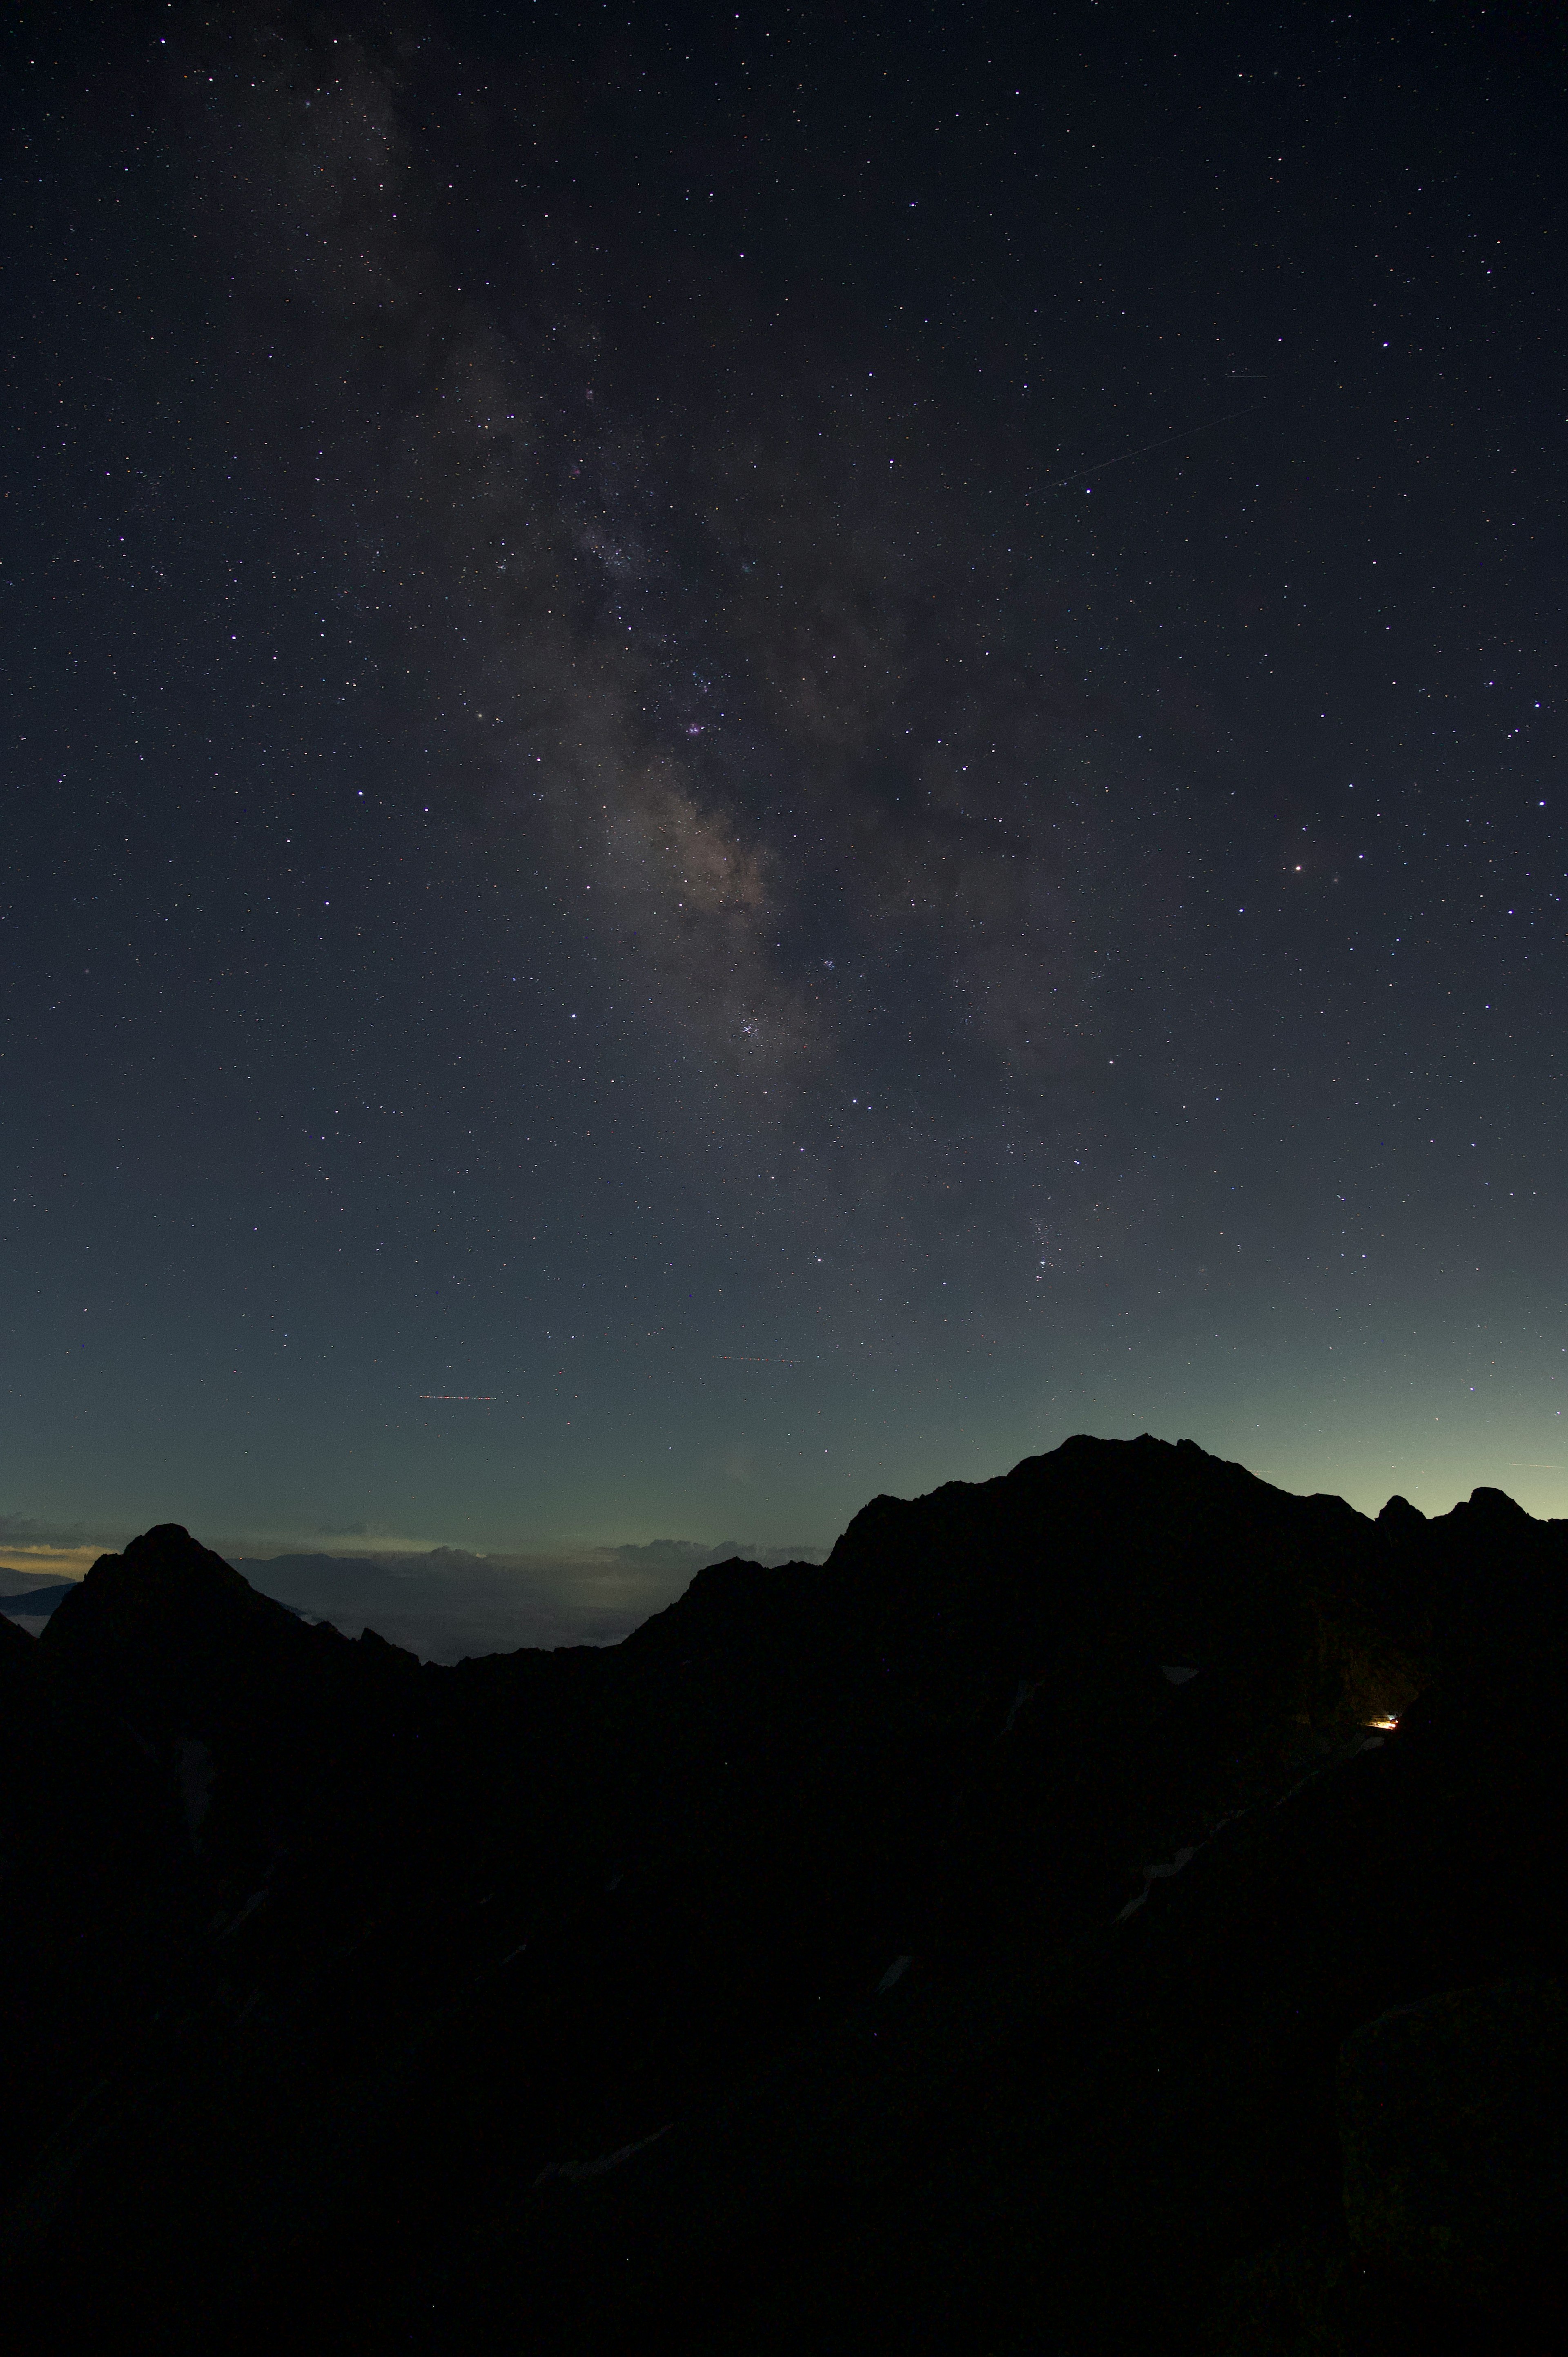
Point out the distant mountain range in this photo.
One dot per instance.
(23, 1589)
(447, 1603)
(31, 1598)
(1113, 1906)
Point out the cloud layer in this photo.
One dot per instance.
(448, 1603)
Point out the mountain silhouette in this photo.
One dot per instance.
(978, 1940)
(37, 1602)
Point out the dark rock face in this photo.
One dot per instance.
(1454, 2123)
(888, 1952)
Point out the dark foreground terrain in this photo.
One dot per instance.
(1009, 1936)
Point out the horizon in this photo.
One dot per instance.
(560, 1555)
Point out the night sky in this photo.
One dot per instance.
(756, 757)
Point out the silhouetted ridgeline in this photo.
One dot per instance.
(1008, 1935)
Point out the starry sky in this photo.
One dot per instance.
(753, 757)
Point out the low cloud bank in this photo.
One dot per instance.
(33, 1550)
(447, 1604)
(25, 1530)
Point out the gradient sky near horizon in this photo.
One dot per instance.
(753, 757)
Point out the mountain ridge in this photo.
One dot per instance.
(301, 1920)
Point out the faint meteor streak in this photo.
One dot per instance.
(1062, 482)
(482, 1399)
(736, 1359)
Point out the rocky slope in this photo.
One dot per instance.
(969, 1943)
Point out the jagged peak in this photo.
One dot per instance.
(1495, 1506)
(162, 1574)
